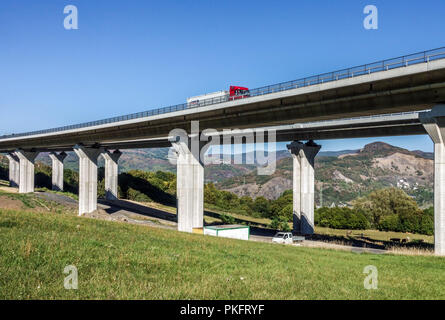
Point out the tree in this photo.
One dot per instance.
(384, 202)
(341, 218)
(210, 194)
(262, 206)
(280, 207)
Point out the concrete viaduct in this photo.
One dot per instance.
(401, 96)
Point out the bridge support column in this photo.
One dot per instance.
(111, 174)
(189, 186)
(14, 169)
(434, 124)
(87, 178)
(57, 173)
(295, 149)
(26, 176)
(303, 185)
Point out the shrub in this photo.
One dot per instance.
(279, 224)
(340, 218)
(280, 207)
(426, 224)
(390, 223)
(136, 195)
(417, 222)
(4, 168)
(262, 206)
(385, 202)
(227, 219)
(286, 213)
(144, 186)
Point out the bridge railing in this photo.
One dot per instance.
(384, 65)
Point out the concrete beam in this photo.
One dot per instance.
(303, 185)
(14, 169)
(189, 186)
(57, 172)
(111, 174)
(434, 123)
(26, 176)
(87, 178)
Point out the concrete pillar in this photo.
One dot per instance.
(87, 178)
(14, 169)
(189, 186)
(57, 173)
(26, 176)
(304, 186)
(434, 124)
(111, 174)
(295, 149)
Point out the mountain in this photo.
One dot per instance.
(142, 159)
(340, 179)
(155, 159)
(340, 176)
(336, 153)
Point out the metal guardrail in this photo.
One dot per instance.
(384, 65)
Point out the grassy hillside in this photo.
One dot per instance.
(344, 177)
(120, 261)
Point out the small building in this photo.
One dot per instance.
(234, 231)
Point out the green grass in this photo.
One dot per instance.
(374, 234)
(32, 201)
(120, 261)
(28, 200)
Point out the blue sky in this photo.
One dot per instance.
(130, 56)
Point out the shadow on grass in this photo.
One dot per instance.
(139, 189)
(116, 205)
(366, 242)
(258, 229)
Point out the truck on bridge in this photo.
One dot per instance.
(234, 93)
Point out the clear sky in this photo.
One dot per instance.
(131, 56)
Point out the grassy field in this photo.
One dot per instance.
(375, 235)
(212, 213)
(123, 261)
